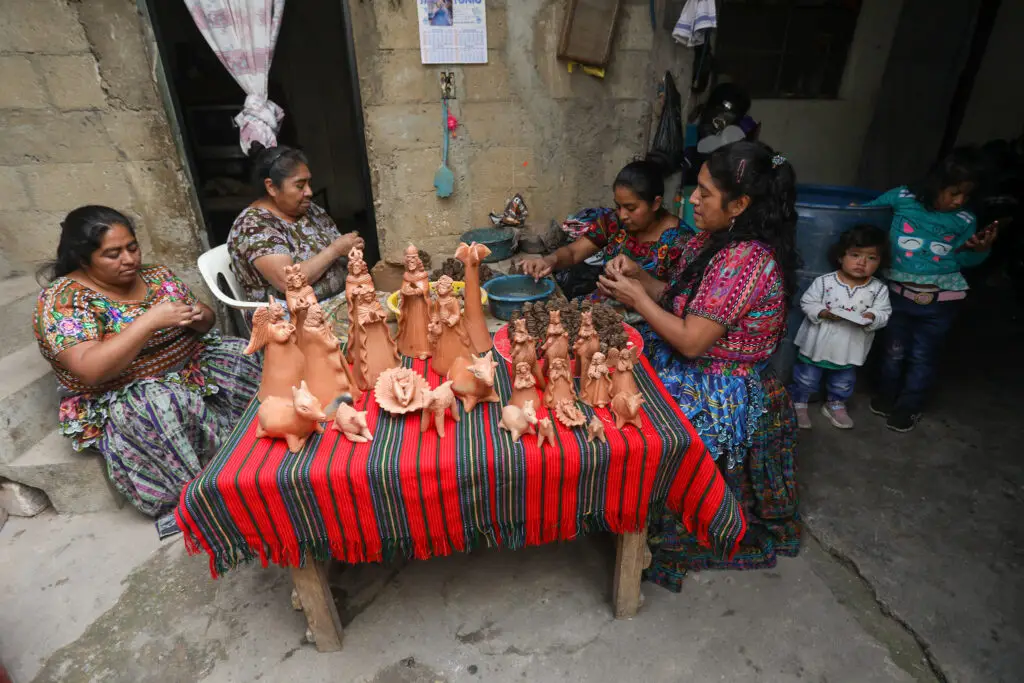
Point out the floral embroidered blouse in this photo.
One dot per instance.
(657, 258)
(742, 289)
(258, 232)
(69, 313)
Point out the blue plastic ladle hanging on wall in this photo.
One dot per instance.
(444, 179)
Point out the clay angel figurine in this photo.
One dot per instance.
(623, 380)
(524, 386)
(438, 402)
(298, 295)
(471, 255)
(415, 308)
(284, 365)
(560, 395)
(452, 340)
(557, 343)
(596, 387)
(400, 391)
(292, 419)
(587, 343)
(327, 372)
(374, 350)
(524, 350)
(358, 276)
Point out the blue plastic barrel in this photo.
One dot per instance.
(825, 212)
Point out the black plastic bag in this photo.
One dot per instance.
(668, 140)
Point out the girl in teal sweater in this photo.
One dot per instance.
(932, 237)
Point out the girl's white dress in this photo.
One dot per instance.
(839, 341)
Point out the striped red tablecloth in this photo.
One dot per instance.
(424, 496)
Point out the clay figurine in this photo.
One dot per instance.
(524, 386)
(438, 401)
(623, 380)
(560, 395)
(351, 423)
(524, 350)
(472, 380)
(545, 432)
(453, 340)
(327, 372)
(626, 408)
(470, 255)
(415, 308)
(298, 296)
(374, 349)
(401, 390)
(518, 420)
(596, 387)
(358, 276)
(557, 343)
(284, 365)
(291, 419)
(587, 343)
(595, 430)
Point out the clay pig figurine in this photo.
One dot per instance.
(292, 420)
(626, 408)
(545, 432)
(518, 421)
(473, 380)
(351, 423)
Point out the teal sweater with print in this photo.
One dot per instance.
(925, 244)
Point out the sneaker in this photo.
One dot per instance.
(803, 418)
(836, 413)
(902, 421)
(881, 406)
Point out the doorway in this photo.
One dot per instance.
(312, 77)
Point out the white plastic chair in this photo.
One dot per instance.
(217, 262)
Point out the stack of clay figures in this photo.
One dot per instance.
(308, 381)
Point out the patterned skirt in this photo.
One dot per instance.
(156, 434)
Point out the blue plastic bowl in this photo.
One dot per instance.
(508, 293)
(498, 240)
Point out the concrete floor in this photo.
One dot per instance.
(911, 572)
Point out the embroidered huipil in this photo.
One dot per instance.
(840, 342)
(925, 243)
(605, 231)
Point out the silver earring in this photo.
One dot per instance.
(732, 223)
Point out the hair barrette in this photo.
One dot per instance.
(778, 160)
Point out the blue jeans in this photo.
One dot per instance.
(807, 380)
(913, 340)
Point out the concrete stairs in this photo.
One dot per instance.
(32, 451)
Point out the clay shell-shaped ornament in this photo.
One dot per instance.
(401, 390)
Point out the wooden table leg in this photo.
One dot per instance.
(315, 596)
(631, 557)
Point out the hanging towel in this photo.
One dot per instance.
(698, 17)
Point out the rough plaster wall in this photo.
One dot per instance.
(824, 138)
(526, 124)
(996, 108)
(83, 124)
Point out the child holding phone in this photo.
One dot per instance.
(844, 308)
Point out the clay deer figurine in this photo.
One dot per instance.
(351, 423)
(518, 421)
(284, 364)
(545, 432)
(438, 402)
(471, 255)
(298, 295)
(473, 380)
(292, 420)
(626, 408)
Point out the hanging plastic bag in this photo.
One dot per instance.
(668, 140)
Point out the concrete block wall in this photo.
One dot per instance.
(525, 123)
(83, 124)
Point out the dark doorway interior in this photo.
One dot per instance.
(312, 78)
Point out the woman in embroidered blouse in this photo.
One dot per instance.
(640, 228)
(284, 227)
(712, 329)
(142, 376)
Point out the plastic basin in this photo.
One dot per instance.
(507, 293)
(501, 242)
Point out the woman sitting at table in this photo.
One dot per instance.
(141, 376)
(640, 227)
(284, 227)
(712, 330)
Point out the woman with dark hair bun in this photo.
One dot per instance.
(142, 376)
(710, 332)
(284, 227)
(640, 227)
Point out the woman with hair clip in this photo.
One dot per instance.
(711, 329)
(640, 228)
(284, 227)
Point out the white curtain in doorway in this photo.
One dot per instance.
(243, 33)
